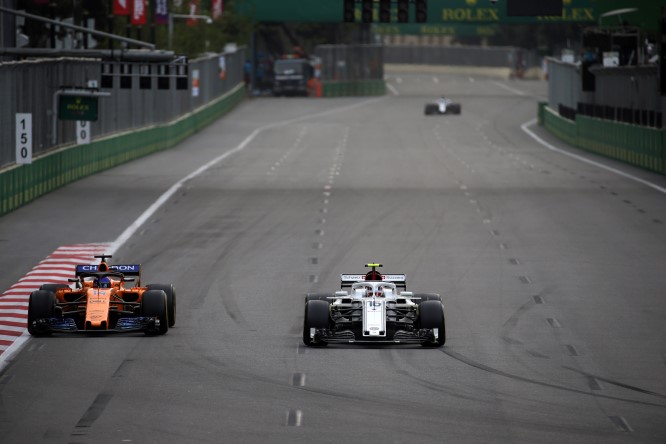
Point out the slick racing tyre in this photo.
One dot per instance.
(170, 291)
(454, 108)
(40, 305)
(317, 316)
(431, 108)
(154, 305)
(431, 316)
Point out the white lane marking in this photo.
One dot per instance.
(508, 88)
(392, 89)
(621, 424)
(298, 380)
(129, 231)
(294, 418)
(585, 160)
(554, 323)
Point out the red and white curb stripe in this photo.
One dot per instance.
(55, 269)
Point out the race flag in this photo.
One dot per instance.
(161, 12)
(138, 12)
(216, 8)
(194, 10)
(121, 7)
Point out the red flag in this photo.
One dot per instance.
(216, 8)
(138, 12)
(121, 7)
(194, 10)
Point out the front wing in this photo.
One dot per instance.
(123, 325)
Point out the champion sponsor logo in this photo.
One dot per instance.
(121, 268)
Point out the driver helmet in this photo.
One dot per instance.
(373, 276)
(104, 282)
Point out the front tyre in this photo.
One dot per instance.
(170, 291)
(317, 316)
(40, 305)
(154, 305)
(431, 317)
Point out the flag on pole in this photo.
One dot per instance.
(161, 12)
(121, 7)
(216, 8)
(138, 12)
(194, 10)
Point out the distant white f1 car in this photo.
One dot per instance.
(374, 311)
(443, 106)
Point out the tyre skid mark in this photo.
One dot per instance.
(480, 366)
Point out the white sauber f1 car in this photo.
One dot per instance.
(377, 308)
(442, 106)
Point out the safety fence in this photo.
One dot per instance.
(132, 123)
(18, 186)
(374, 87)
(613, 111)
(641, 146)
(516, 60)
(351, 70)
(33, 86)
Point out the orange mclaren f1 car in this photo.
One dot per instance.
(100, 301)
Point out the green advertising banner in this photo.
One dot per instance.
(77, 108)
(434, 29)
(439, 11)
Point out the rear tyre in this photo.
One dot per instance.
(430, 109)
(154, 305)
(455, 108)
(317, 315)
(170, 291)
(40, 305)
(431, 316)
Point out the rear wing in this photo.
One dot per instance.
(400, 280)
(126, 270)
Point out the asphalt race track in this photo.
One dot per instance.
(551, 271)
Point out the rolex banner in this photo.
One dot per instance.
(121, 7)
(138, 12)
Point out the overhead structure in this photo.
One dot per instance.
(446, 12)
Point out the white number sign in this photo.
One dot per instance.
(82, 132)
(23, 138)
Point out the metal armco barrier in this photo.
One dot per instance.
(354, 88)
(30, 86)
(621, 118)
(21, 184)
(636, 145)
(351, 70)
(133, 121)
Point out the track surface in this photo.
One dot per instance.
(552, 273)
